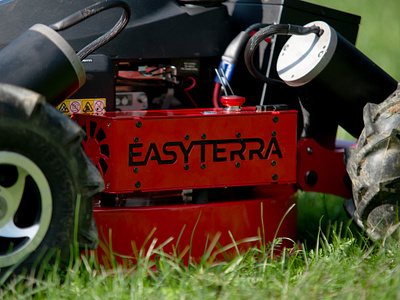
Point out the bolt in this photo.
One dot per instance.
(273, 163)
(237, 165)
(108, 185)
(275, 119)
(186, 167)
(108, 124)
(311, 178)
(136, 139)
(138, 124)
(203, 166)
(136, 170)
(275, 177)
(274, 133)
(138, 184)
(309, 150)
(238, 135)
(187, 137)
(203, 136)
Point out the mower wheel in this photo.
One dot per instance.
(374, 168)
(44, 176)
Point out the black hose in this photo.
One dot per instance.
(255, 27)
(89, 11)
(262, 34)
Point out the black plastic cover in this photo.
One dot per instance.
(157, 29)
(100, 81)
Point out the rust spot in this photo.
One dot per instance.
(395, 109)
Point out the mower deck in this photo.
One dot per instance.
(246, 217)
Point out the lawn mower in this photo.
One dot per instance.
(189, 125)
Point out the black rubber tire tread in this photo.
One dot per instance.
(33, 128)
(374, 168)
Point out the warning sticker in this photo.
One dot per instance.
(75, 107)
(87, 106)
(63, 108)
(99, 106)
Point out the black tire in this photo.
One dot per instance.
(374, 168)
(43, 173)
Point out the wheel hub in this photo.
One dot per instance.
(22, 225)
(3, 207)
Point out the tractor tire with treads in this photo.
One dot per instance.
(374, 168)
(44, 175)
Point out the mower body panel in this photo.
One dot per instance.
(186, 149)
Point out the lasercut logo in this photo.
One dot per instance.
(220, 151)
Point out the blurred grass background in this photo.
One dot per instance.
(379, 32)
(379, 39)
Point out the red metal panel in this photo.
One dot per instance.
(183, 149)
(322, 170)
(260, 216)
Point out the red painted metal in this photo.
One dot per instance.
(147, 156)
(322, 170)
(259, 215)
(197, 148)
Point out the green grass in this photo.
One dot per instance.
(339, 265)
(333, 260)
(320, 212)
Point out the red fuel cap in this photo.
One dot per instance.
(232, 101)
